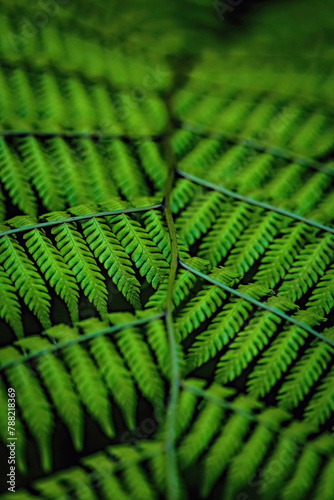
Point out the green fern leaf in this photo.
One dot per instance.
(325, 486)
(110, 253)
(276, 360)
(51, 263)
(80, 260)
(14, 179)
(224, 447)
(111, 364)
(306, 373)
(10, 307)
(310, 264)
(143, 252)
(74, 189)
(197, 219)
(307, 467)
(59, 386)
(204, 428)
(202, 307)
(35, 408)
(321, 405)
(87, 379)
(42, 173)
(138, 357)
(25, 278)
(245, 464)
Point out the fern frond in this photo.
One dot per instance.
(108, 483)
(138, 357)
(128, 176)
(183, 192)
(287, 182)
(80, 260)
(306, 373)
(59, 386)
(116, 375)
(281, 463)
(21, 443)
(15, 181)
(197, 219)
(42, 173)
(100, 184)
(321, 406)
(153, 110)
(226, 168)
(182, 142)
(187, 405)
(86, 378)
(254, 241)
(322, 297)
(2, 206)
(305, 139)
(106, 473)
(257, 173)
(74, 188)
(157, 230)
(199, 108)
(247, 345)
(203, 429)
(10, 309)
(51, 100)
(24, 102)
(25, 278)
(244, 465)
(277, 359)
(143, 252)
(33, 404)
(228, 442)
(102, 471)
(256, 203)
(309, 266)
(223, 328)
(51, 263)
(202, 307)
(324, 490)
(157, 339)
(185, 282)
(21, 495)
(325, 209)
(153, 163)
(225, 232)
(203, 154)
(107, 249)
(233, 115)
(300, 485)
(138, 483)
(312, 193)
(281, 255)
(81, 106)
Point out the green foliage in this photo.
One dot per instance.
(167, 251)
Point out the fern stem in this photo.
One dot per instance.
(251, 201)
(257, 303)
(82, 217)
(80, 339)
